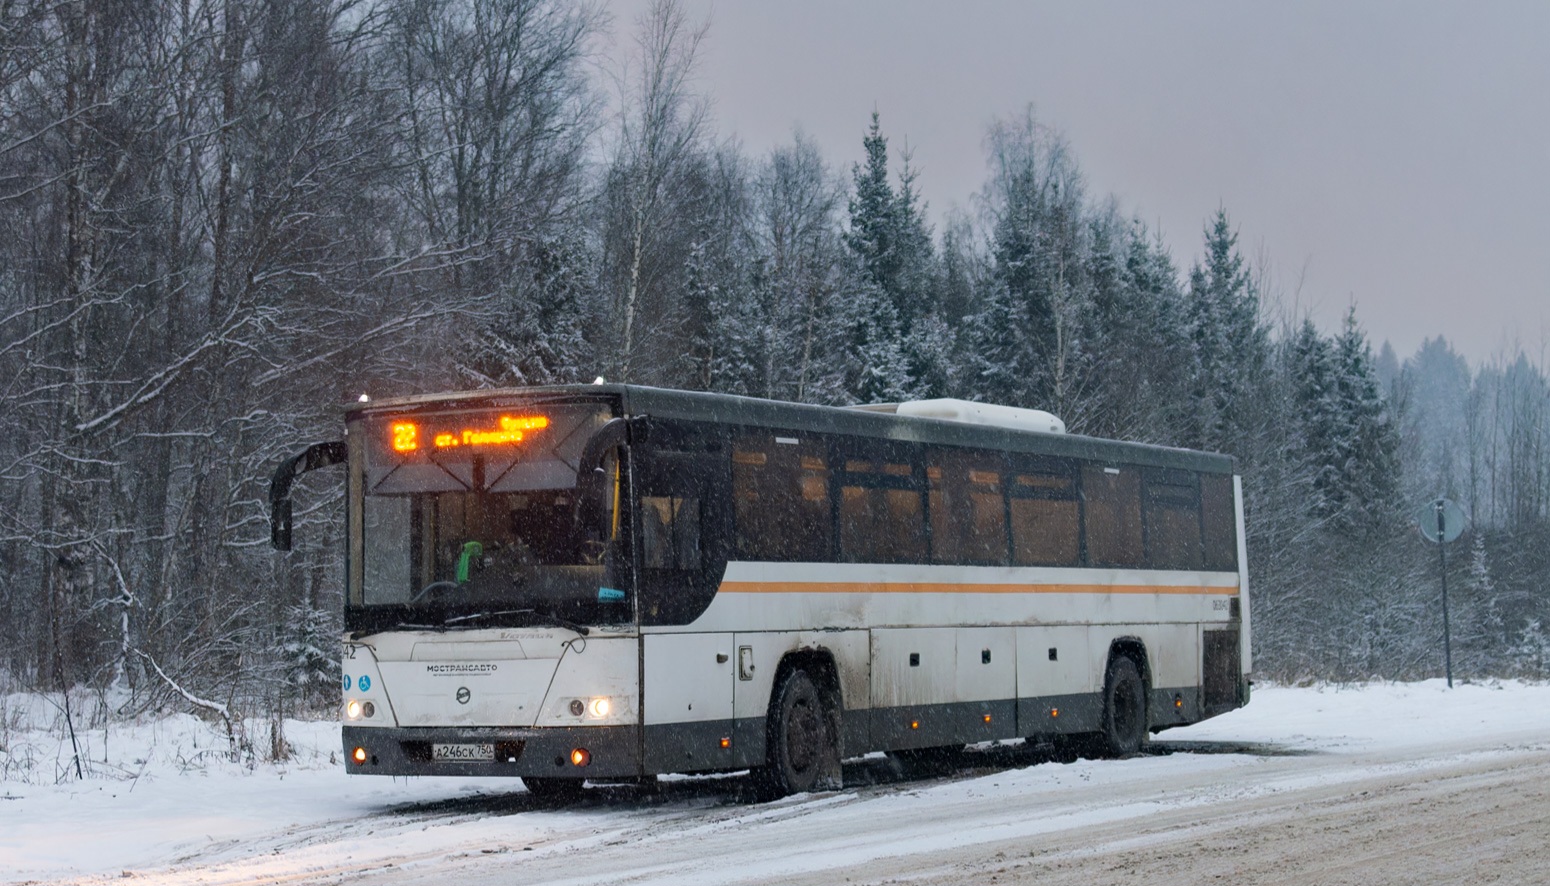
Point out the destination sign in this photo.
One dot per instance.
(408, 436)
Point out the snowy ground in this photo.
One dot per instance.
(162, 803)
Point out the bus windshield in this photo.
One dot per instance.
(477, 516)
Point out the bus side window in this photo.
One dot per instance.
(780, 495)
(1111, 512)
(1046, 524)
(670, 532)
(1172, 519)
(1218, 522)
(882, 519)
(968, 514)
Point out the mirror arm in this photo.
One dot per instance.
(318, 455)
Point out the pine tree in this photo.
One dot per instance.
(1231, 346)
(1346, 438)
(1319, 431)
(308, 649)
(1370, 453)
(540, 338)
(891, 244)
(873, 223)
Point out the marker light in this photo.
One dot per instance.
(1054, 712)
(580, 757)
(987, 718)
(1178, 701)
(353, 710)
(599, 707)
(726, 743)
(358, 755)
(914, 724)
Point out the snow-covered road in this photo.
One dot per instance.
(1371, 784)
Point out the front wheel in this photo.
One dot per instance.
(553, 790)
(1124, 708)
(801, 745)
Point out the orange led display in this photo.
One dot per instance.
(406, 436)
(509, 430)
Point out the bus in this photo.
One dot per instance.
(611, 582)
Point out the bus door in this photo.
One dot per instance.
(688, 675)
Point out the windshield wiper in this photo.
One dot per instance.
(400, 626)
(537, 617)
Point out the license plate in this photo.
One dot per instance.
(458, 752)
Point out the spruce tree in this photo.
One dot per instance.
(1370, 463)
(1231, 346)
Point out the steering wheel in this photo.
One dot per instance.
(433, 586)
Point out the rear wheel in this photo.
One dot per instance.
(800, 746)
(1124, 708)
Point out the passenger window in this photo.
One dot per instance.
(1218, 522)
(1112, 515)
(882, 519)
(1172, 520)
(968, 512)
(1046, 521)
(780, 493)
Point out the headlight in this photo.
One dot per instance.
(353, 710)
(600, 707)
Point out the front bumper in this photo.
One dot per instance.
(615, 751)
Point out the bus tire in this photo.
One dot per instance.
(553, 790)
(800, 746)
(1124, 708)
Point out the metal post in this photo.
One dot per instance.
(1447, 633)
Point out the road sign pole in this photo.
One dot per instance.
(1442, 558)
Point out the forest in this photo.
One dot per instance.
(226, 219)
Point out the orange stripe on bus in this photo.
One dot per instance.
(824, 587)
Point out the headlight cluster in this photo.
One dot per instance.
(597, 707)
(358, 710)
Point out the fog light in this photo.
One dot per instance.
(580, 757)
(358, 755)
(600, 707)
(353, 710)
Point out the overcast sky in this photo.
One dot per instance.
(1395, 155)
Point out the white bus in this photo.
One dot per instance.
(615, 581)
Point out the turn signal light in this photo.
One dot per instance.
(358, 755)
(580, 757)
